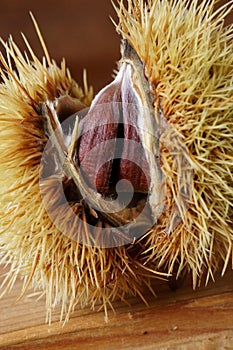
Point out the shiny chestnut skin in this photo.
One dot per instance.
(105, 148)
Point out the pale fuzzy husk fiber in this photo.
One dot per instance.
(31, 247)
(189, 64)
(188, 57)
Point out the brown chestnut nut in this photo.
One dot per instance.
(113, 150)
(104, 152)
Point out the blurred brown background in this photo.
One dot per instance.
(81, 31)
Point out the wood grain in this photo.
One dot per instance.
(184, 319)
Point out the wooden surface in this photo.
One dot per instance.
(181, 319)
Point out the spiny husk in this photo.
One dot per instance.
(188, 60)
(67, 272)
